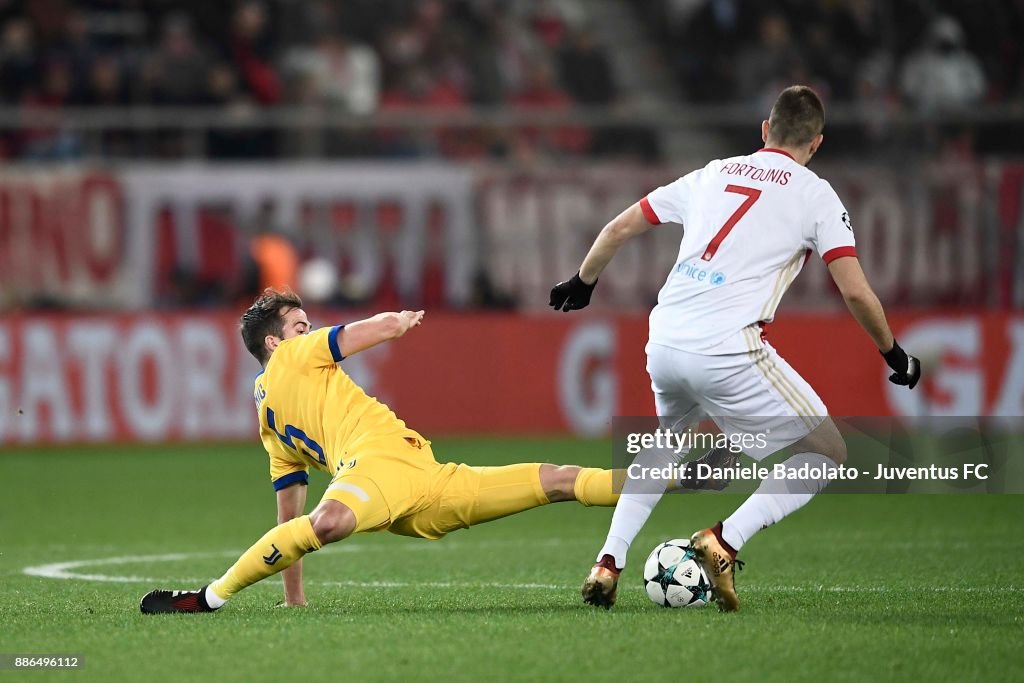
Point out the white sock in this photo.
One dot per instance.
(639, 496)
(631, 513)
(213, 600)
(776, 498)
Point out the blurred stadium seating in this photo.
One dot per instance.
(165, 161)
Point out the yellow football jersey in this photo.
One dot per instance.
(312, 413)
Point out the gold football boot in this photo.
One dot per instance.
(602, 583)
(719, 564)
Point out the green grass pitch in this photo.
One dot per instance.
(850, 588)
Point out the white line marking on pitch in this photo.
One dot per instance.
(442, 584)
(70, 571)
(66, 570)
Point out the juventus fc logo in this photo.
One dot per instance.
(273, 557)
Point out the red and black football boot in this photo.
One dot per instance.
(169, 602)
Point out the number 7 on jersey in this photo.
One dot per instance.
(752, 195)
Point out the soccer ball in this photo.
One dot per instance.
(672, 577)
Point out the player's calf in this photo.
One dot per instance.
(588, 485)
(558, 481)
(278, 549)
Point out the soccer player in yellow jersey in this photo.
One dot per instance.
(385, 477)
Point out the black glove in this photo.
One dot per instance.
(716, 458)
(907, 369)
(571, 295)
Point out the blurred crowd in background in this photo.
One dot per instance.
(359, 57)
(349, 57)
(926, 54)
(667, 83)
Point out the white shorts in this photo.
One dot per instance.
(754, 393)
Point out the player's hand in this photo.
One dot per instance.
(287, 603)
(409, 320)
(571, 295)
(906, 368)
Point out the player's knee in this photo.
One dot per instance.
(826, 440)
(838, 454)
(559, 482)
(332, 521)
(833, 446)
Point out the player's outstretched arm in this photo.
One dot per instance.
(867, 310)
(291, 503)
(574, 293)
(365, 334)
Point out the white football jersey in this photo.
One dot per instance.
(749, 225)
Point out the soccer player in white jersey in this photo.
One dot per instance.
(749, 225)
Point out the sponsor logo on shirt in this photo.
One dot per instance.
(698, 274)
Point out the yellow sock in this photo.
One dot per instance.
(281, 547)
(594, 487)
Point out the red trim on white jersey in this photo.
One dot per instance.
(649, 213)
(777, 151)
(839, 252)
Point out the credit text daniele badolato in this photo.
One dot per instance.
(977, 471)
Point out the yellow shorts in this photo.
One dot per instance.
(395, 484)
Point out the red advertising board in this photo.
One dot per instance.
(126, 238)
(63, 236)
(187, 377)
